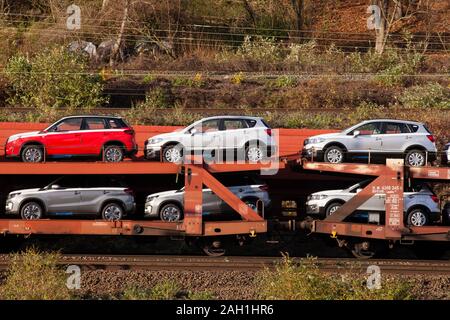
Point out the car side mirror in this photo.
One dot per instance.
(55, 187)
(356, 133)
(194, 131)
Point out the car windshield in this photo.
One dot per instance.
(358, 185)
(52, 183)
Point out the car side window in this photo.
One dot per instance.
(115, 124)
(233, 124)
(368, 129)
(395, 128)
(68, 125)
(207, 126)
(94, 124)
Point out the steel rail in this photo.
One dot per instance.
(239, 263)
(208, 111)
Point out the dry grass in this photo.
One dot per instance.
(34, 275)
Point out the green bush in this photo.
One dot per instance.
(260, 49)
(33, 275)
(305, 281)
(430, 95)
(53, 79)
(284, 81)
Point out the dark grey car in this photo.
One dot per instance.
(71, 196)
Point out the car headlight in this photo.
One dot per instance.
(315, 140)
(12, 195)
(317, 197)
(151, 198)
(155, 140)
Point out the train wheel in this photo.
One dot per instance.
(213, 248)
(362, 250)
(369, 249)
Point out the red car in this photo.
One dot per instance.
(109, 138)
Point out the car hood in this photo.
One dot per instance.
(166, 136)
(329, 192)
(25, 191)
(25, 135)
(165, 193)
(327, 135)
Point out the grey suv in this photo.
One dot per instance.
(378, 138)
(73, 195)
(168, 206)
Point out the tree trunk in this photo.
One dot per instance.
(250, 11)
(118, 42)
(298, 7)
(381, 31)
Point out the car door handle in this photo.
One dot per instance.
(377, 139)
(105, 192)
(77, 192)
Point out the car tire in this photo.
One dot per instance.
(173, 153)
(255, 152)
(112, 211)
(334, 154)
(417, 217)
(171, 212)
(113, 153)
(415, 158)
(332, 208)
(32, 153)
(31, 210)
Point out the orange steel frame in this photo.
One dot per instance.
(390, 180)
(196, 175)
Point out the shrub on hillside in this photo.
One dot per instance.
(260, 49)
(430, 95)
(53, 79)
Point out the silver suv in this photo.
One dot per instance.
(421, 205)
(168, 206)
(73, 195)
(249, 136)
(379, 138)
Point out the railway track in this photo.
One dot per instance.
(199, 263)
(215, 111)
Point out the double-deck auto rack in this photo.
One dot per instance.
(196, 174)
(390, 180)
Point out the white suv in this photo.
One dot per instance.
(251, 137)
(421, 205)
(377, 138)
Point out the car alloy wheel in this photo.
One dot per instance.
(415, 158)
(334, 155)
(333, 208)
(417, 218)
(31, 211)
(252, 204)
(113, 154)
(254, 154)
(170, 213)
(173, 154)
(112, 212)
(33, 154)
